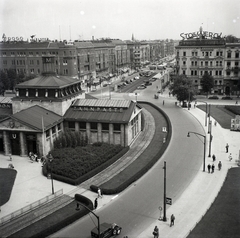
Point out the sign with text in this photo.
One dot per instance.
(169, 201)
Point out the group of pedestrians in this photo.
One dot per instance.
(96, 199)
(156, 230)
(211, 168)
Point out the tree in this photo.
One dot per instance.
(207, 83)
(182, 88)
(231, 39)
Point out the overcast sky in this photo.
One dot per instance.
(118, 19)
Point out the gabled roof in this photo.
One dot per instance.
(101, 110)
(37, 117)
(49, 81)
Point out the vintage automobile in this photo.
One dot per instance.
(106, 230)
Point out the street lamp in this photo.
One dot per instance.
(210, 138)
(50, 161)
(93, 214)
(206, 112)
(204, 143)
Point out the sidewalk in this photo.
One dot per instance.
(198, 197)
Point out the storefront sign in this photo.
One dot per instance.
(199, 34)
(13, 39)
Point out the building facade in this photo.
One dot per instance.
(207, 52)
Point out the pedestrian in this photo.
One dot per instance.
(230, 157)
(95, 204)
(227, 146)
(172, 220)
(219, 165)
(209, 168)
(213, 168)
(215, 123)
(99, 193)
(156, 232)
(10, 157)
(163, 103)
(213, 157)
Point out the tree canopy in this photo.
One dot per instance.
(231, 39)
(182, 88)
(207, 82)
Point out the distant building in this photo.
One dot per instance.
(201, 52)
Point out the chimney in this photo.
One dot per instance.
(92, 37)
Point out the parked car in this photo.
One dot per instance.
(213, 97)
(106, 230)
(142, 86)
(105, 85)
(148, 83)
(136, 77)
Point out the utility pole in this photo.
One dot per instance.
(164, 194)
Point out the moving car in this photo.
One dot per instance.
(106, 230)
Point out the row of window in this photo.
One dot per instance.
(209, 53)
(195, 73)
(58, 127)
(93, 126)
(30, 53)
(195, 63)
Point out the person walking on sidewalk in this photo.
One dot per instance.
(213, 157)
(209, 168)
(230, 157)
(219, 165)
(156, 232)
(99, 193)
(227, 146)
(172, 220)
(213, 168)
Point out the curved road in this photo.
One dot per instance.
(136, 208)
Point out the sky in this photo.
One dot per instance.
(117, 19)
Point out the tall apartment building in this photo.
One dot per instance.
(202, 52)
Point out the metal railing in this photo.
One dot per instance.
(29, 207)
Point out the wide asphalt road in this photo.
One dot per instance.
(137, 207)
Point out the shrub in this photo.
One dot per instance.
(75, 162)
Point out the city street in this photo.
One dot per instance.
(138, 206)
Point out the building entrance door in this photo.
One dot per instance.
(15, 143)
(31, 143)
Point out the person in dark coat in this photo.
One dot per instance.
(213, 168)
(213, 157)
(95, 204)
(209, 168)
(219, 165)
(227, 146)
(156, 232)
(172, 220)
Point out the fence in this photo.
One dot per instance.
(29, 207)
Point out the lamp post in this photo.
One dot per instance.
(205, 113)
(210, 138)
(50, 161)
(209, 117)
(98, 218)
(164, 193)
(204, 143)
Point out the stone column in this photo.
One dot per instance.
(23, 144)
(99, 132)
(6, 143)
(88, 131)
(111, 138)
(122, 135)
